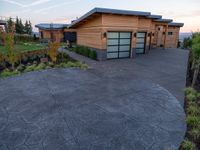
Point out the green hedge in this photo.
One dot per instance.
(85, 51)
(23, 38)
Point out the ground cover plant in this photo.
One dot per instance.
(192, 97)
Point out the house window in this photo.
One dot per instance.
(41, 35)
(170, 33)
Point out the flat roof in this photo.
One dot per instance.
(3, 22)
(163, 20)
(176, 24)
(111, 11)
(51, 26)
(155, 16)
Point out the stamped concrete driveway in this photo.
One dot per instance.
(72, 109)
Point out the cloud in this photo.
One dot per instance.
(43, 10)
(36, 2)
(14, 2)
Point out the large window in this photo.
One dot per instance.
(118, 45)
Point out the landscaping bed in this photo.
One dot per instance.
(40, 62)
(192, 110)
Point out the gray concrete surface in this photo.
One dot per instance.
(114, 105)
(165, 67)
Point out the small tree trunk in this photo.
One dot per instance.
(13, 66)
(195, 75)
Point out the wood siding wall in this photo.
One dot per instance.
(58, 34)
(90, 32)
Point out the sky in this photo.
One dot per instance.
(63, 11)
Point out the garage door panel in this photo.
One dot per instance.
(113, 35)
(140, 42)
(140, 45)
(125, 41)
(112, 55)
(112, 48)
(123, 54)
(124, 48)
(141, 35)
(113, 42)
(125, 34)
(118, 44)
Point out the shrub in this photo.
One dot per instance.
(50, 64)
(53, 48)
(195, 133)
(62, 65)
(93, 55)
(62, 57)
(30, 68)
(41, 66)
(71, 64)
(86, 51)
(191, 97)
(188, 145)
(81, 65)
(193, 109)
(193, 121)
(189, 90)
(8, 73)
(20, 68)
(23, 38)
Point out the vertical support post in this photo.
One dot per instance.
(165, 38)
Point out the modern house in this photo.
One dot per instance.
(117, 33)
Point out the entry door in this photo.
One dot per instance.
(140, 43)
(118, 44)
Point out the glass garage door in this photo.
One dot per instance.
(118, 45)
(140, 44)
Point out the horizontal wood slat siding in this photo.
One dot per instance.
(172, 40)
(119, 20)
(90, 33)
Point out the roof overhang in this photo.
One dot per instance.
(45, 26)
(163, 20)
(109, 11)
(155, 17)
(2, 22)
(176, 24)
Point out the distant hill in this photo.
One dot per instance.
(184, 35)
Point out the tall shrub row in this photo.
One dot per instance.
(85, 51)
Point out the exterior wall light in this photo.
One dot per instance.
(149, 34)
(135, 35)
(104, 35)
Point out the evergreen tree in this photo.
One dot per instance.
(21, 29)
(17, 25)
(26, 27)
(10, 25)
(30, 28)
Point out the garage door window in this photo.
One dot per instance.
(140, 44)
(118, 45)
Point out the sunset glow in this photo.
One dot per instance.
(63, 11)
